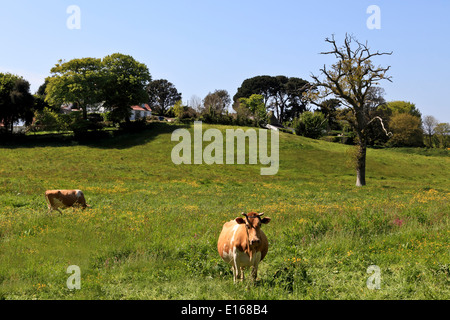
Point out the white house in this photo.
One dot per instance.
(139, 112)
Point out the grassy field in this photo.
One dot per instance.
(152, 230)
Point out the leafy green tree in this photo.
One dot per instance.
(287, 99)
(407, 130)
(182, 112)
(255, 104)
(395, 107)
(262, 85)
(16, 101)
(118, 80)
(243, 115)
(162, 95)
(282, 94)
(125, 82)
(39, 97)
(295, 89)
(178, 109)
(442, 134)
(78, 81)
(280, 97)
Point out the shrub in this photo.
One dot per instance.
(46, 120)
(310, 125)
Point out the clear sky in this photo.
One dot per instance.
(203, 45)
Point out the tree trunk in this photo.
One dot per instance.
(84, 113)
(361, 164)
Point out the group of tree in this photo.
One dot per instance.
(215, 108)
(259, 100)
(284, 96)
(117, 81)
(353, 81)
(347, 94)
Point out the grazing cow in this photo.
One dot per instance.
(64, 198)
(243, 244)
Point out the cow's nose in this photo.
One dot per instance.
(254, 242)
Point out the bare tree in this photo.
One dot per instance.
(216, 103)
(429, 124)
(351, 80)
(195, 103)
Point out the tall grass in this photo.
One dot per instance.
(152, 230)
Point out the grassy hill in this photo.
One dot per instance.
(152, 230)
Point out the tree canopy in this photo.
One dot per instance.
(118, 80)
(16, 101)
(255, 104)
(262, 85)
(78, 81)
(162, 94)
(394, 107)
(407, 130)
(125, 83)
(284, 95)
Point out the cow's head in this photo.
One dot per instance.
(253, 223)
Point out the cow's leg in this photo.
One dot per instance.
(255, 266)
(254, 271)
(236, 266)
(50, 209)
(49, 206)
(234, 273)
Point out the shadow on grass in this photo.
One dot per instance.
(102, 139)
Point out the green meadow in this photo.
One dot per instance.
(151, 231)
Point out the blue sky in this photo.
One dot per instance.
(203, 45)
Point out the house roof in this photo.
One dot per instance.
(144, 107)
(69, 108)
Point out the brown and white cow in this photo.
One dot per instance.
(243, 244)
(64, 198)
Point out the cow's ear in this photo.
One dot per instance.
(265, 220)
(240, 220)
